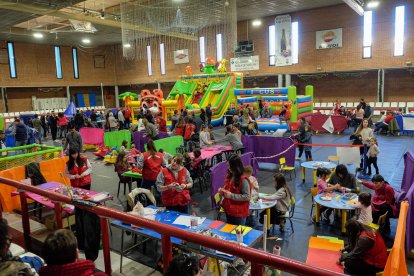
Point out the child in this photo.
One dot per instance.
(372, 155)
(121, 166)
(364, 206)
(282, 196)
(358, 141)
(248, 172)
(307, 139)
(323, 187)
(197, 159)
(124, 146)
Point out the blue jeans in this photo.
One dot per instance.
(39, 135)
(20, 143)
(235, 220)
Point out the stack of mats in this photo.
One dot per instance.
(324, 252)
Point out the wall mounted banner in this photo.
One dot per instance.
(244, 63)
(181, 56)
(329, 39)
(283, 26)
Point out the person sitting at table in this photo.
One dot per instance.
(183, 265)
(232, 138)
(122, 165)
(383, 201)
(366, 253)
(346, 180)
(364, 208)
(248, 171)
(174, 183)
(78, 170)
(282, 196)
(61, 256)
(236, 192)
(197, 158)
(150, 162)
(205, 138)
(323, 187)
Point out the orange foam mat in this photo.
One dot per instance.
(324, 259)
(321, 243)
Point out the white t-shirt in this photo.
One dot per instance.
(365, 214)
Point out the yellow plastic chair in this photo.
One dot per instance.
(381, 222)
(220, 210)
(333, 158)
(283, 168)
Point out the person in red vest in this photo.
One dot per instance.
(127, 116)
(174, 182)
(150, 163)
(189, 130)
(162, 124)
(179, 127)
(366, 253)
(236, 192)
(78, 170)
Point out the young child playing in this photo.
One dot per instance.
(364, 207)
(248, 172)
(323, 187)
(124, 146)
(307, 139)
(372, 155)
(282, 196)
(122, 165)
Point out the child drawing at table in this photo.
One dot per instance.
(364, 207)
(121, 166)
(248, 172)
(282, 195)
(197, 159)
(323, 175)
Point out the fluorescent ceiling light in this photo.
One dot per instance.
(372, 4)
(256, 23)
(38, 35)
(354, 4)
(127, 45)
(86, 41)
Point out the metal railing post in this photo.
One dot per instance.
(257, 270)
(105, 245)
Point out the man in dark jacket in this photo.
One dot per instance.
(53, 125)
(209, 114)
(73, 139)
(20, 132)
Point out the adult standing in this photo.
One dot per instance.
(113, 123)
(150, 162)
(236, 192)
(94, 118)
(365, 132)
(162, 124)
(209, 113)
(37, 125)
(121, 119)
(174, 119)
(127, 117)
(174, 182)
(301, 135)
(62, 123)
(383, 200)
(78, 170)
(53, 125)
(20, 132)
(73, 139)
(366, 253)
(152, 132)
(203, 116)
(359, 116)
(79, 120)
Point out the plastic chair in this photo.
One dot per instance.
(314, 192)
(289, 214)
(125, 183)
(227, 154)
(333, 158)
(240, 151)
(381, 222)
(219, 209)
(283, 168)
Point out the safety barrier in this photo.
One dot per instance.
(257, 258)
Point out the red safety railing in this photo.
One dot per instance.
(257, 258)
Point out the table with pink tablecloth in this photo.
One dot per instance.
(209, 152)
(340, 123)
(92, 136)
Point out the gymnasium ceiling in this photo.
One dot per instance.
(19, 19)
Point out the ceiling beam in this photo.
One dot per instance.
(81, 17)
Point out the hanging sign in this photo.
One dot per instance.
(329, 39)
(181, 56)
(244, 63)
(283, 26)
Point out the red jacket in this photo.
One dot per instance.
(179, 131)
(172, 197)
(388, 119)
(377, 255)
(152, 166)
(127, 114)
(239, 209)
(162, 125)
(62, 121)
(79, 268)
(80, 182)
(189, 130)
(381, 196)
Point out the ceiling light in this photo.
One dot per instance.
(355, 6)
(256, 23)
(177, 1)
(372, 4)
(38, 35)
(86, 41)
(127, 45)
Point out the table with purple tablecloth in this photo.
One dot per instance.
(407, 193)
(264, 147)
(219, 171)
(92, 136)
(140, 140)
(409, 234)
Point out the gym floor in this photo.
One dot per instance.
(391, 166)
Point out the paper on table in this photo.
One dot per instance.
(186, 220)
(98, 197)
(215, 224)
(241, 228)
(227, 228)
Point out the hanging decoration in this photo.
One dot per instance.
(176, 24)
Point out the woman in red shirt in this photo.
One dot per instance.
(150, 163)
(179, 127)
(366, 253)
(383, 201)
(162, 124)
(78, 170)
